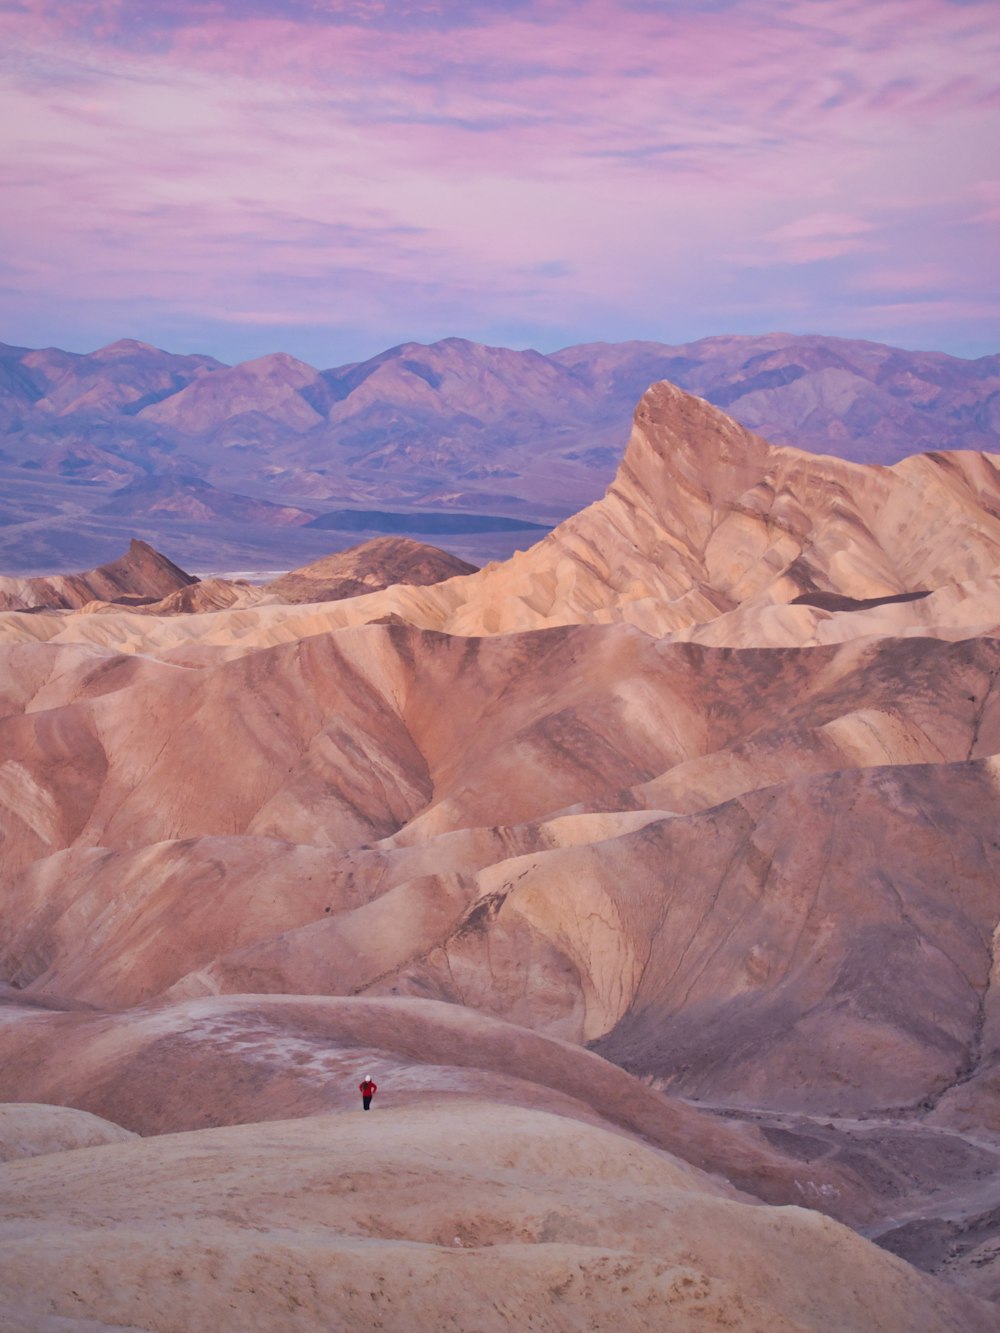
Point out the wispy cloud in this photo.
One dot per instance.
(821, 236)
(570, 168)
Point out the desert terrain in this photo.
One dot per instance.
(651, 873)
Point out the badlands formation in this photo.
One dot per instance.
(652, 874)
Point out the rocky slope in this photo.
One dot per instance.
(706, 781)
(425, 744)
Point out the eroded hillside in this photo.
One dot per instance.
(705, 781)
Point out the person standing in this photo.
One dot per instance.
(368, 1090)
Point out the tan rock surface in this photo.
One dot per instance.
(210, 594)
(28, 1130)
(236, 1059)
(738, 959)
(155, 833)
(451, 1215)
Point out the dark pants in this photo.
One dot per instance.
(366, 1101)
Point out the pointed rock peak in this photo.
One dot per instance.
(141, 575)
(682, 422)
(142, 562)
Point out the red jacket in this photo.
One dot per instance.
(368, 1089)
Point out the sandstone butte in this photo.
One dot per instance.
(651, 873)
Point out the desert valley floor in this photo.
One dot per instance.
(652, 874)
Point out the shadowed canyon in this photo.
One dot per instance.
(651, 873)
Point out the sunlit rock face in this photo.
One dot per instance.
(705, 518)
(696, 798)
(708, 531)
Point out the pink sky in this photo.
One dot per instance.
(330, 177)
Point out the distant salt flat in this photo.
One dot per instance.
(247, 575)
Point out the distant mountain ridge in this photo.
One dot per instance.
(96, 447)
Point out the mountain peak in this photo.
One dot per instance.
(142, 574)
(281, 361)
(126, 347)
